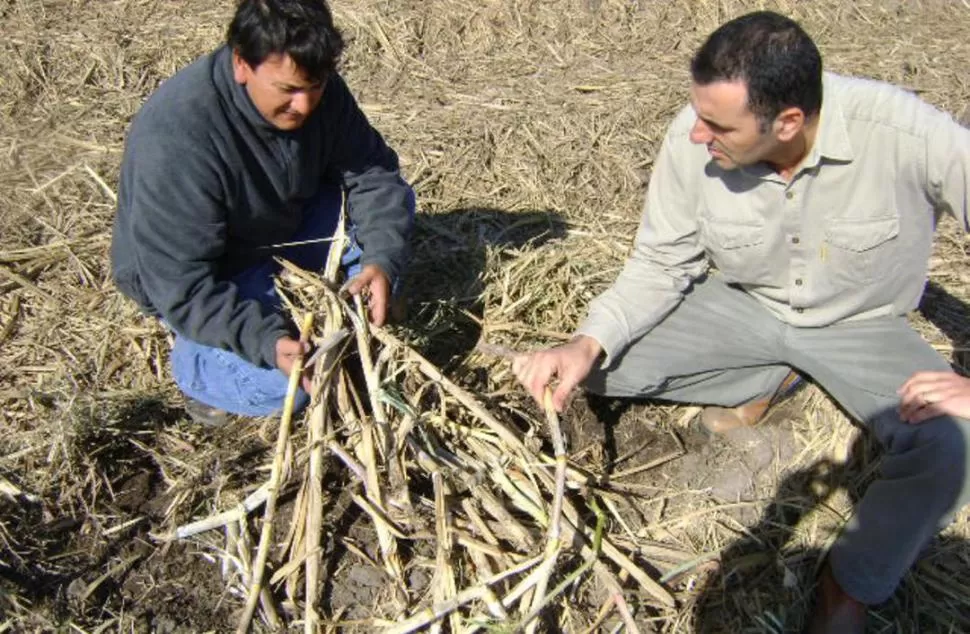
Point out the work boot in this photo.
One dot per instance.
(835, 611)
(205, 415)
(718, 420)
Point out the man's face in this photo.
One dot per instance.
(732, 133)
(279, 89)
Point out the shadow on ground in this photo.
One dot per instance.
(952, 316)
(446, 277)
(762, 583)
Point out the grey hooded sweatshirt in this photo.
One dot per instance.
(208, 185)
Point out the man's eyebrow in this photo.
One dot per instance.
(712, 122)
(707, 120)
(286, 86)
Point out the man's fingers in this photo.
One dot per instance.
(519, 364)
(922, 381)
(354, 285)
(927, 395)
(378, 314)
(532, 375)
(561, 396)
(378, 304)
(926, 413)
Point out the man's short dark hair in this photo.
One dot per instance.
(772, 55)
(302, 29)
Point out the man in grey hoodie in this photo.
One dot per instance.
(238, 156)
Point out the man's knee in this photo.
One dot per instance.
(939, 449)
(224, 380)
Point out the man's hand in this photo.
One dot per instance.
(929, 394)
(374, 287)
(571, 363)
(287, 351)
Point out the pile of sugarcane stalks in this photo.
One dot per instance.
(514, 532)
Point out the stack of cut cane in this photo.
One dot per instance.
(514, 530)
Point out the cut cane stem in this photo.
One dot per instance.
(314, 525)
(436, 612)
(252, 502)
(588, 563)
(386, 541)
(463, 397)
(256, 582)
(554, 533)
(319, 419)
(236, 530)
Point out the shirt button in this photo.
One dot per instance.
(798, 282)
(795, 240)
(789, 194)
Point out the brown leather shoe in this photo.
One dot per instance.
(718, 420)
(835, 611)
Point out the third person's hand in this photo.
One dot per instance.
(929, 394)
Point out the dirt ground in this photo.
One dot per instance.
(528, 128)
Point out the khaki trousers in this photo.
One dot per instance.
(721, 347)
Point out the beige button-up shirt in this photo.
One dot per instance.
(848, 238)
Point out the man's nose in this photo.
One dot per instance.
(301, 103)
(701, 133)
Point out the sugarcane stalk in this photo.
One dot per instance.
(252, 502)
(295, 542)
(444, 578)
(438, 611)
(355, 467)
(428, 369)
(314, 525)
(235, 531)
(318, 431)
(588, 563)
(476, 519)
(319, 418)
(397, 490)
(256, 582)
(484, 569)
(554, 533)
(386, 541)
(515, 531)
(573, 533)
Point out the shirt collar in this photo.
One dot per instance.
(832, 140)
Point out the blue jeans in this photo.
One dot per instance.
(222, 379)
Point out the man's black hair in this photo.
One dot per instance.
(302, 29)
(772, 55)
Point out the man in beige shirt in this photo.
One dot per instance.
(816, 197)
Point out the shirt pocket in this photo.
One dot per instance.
(861, 251)
(737, 249)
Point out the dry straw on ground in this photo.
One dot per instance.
(528, 129)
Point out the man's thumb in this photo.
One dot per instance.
(354, 285)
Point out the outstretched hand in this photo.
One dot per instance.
(929, 394)
(570, 363)
(374, 287)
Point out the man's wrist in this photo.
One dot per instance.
(590, 346)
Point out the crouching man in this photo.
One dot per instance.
(241, 157)
(816, 196)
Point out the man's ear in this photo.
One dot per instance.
(240, 69)
(789, 123)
